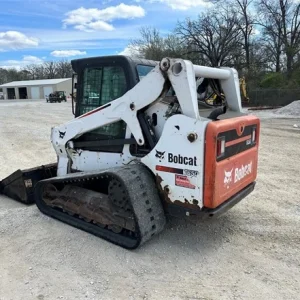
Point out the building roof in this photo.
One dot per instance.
(34, 82)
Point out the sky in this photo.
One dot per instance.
(33, 31)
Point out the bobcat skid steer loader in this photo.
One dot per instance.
(140, 147)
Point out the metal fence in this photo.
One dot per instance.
(273, 97)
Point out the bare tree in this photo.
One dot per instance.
(272, 43)
(173, 47)
(281, 22)
(3, 76)
(33, 72)
(272, 38)
(64, 69)
(291, 33)
(149, 44)
(246, 25)
(47, 70)
(215, 35)
(12, 74)
(50, 69)
(245, 20)
(152, 45)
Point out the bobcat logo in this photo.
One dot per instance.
(160, 155)
(227, 178)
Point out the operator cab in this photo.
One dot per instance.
(104, 79)
(101, 80)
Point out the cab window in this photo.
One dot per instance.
(102, 85)
(143, 70)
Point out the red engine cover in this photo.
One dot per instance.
(229, 173)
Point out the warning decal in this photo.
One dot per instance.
(181, 180)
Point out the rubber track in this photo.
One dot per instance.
(142, 192)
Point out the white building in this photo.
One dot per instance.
(35, 89)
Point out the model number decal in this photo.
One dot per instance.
(185, 172)
(190, 173)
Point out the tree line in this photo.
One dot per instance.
(46, 70)
(260, 38)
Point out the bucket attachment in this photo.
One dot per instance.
(20, 184)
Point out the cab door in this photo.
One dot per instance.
(99, 86)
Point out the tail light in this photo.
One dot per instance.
(253, 135)
(220, 146)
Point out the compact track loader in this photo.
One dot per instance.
(141, 147)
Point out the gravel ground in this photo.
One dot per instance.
(251, 252)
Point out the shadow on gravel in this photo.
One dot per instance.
(180, 234)
(195, 234)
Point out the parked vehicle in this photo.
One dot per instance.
(57, 96)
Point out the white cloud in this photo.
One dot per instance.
(19, 64)
(16, 40)
(130, 51)
(67, 53)
(93, 19)
(95, 26)
(184, 4)
(126, 51)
